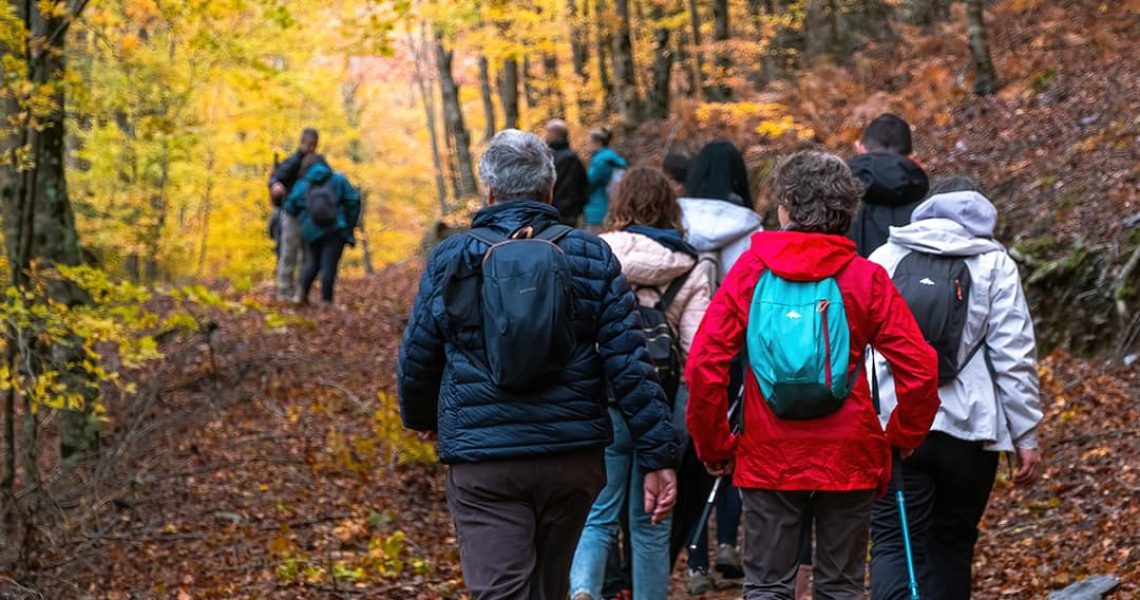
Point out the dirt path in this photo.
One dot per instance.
(293, 479)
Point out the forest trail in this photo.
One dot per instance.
(285, 475)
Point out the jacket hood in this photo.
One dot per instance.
(890, 179)
(646, 262)
(973, 211)
(711, 225)
(509, 216)
(318, 172)
(797, 256)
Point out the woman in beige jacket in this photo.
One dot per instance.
(644, 231)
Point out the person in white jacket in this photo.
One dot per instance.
(991, 406)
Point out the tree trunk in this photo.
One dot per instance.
(985, 78)
(530, 92)
(488, 98)
(365, 249)
(604, 41)
(509, 92)
(698, 63)
(204, 213)
(427, 96)
(659, 96)
(721, 91)
(625, 79)
(39, 224)
(453, 114)
(555, 99)
(580, 49)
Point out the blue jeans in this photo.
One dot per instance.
(650, 542)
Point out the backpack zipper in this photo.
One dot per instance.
(823, 306)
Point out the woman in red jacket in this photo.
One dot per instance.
(833, 462)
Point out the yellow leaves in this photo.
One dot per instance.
(785, 125)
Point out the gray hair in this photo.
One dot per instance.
(818, 191)
(517, 166)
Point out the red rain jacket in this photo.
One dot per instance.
(848, 449)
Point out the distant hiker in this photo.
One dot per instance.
(894, 184)
(521, 330)
(719, 220)
(571, 186)
(719, 223)
(676, 166)
(673, 290)
(292, 252)
(805, 307)
(605, 173)
(966, 294)
(329, 209)
(719, 173)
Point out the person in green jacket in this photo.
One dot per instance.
(606, 167)
(329, 209)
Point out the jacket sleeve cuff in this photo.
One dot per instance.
(1028, 440)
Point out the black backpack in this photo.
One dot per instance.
(664, 349)
(937, 290)
(322, 202)
(524, 304)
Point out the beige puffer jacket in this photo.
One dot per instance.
(650, 268)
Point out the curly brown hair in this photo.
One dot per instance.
(644, 197)
(818, 191)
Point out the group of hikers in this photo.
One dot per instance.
(315, 213)
(596, 357)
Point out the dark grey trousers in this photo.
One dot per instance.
(773, 525)
(519, 521)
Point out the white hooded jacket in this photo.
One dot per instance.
(719, 230)
(995, 397)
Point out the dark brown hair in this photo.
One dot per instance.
(644, 197)
(818, 191)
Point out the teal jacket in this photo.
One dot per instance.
(348, 214)
(602, 167)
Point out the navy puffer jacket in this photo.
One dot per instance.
(443, 389)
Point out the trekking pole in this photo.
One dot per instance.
(694, 539)
(900, 497)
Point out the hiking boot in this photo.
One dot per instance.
(699, 582)
(728, 562)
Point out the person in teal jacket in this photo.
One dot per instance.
(325, 241)
(604, 165)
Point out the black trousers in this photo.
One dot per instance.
(947, 484)
(519, 520)
(326, 253)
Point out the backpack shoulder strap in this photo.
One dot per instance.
(486, 235)
(673, 290)
(554, 233)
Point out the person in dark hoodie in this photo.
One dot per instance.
(571, 185)
(894, 184)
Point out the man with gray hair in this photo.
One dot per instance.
(526, 455)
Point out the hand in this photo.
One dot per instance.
(660, 493)
(1029, 466)
(277, 190)
(719, 468)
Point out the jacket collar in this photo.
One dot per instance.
(509, 216)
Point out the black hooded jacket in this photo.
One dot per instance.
(571, 186)
(895, 185)
(719, 173)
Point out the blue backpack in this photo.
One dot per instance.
(799, 346)
(526, 306)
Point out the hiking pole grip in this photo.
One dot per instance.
(705, 512)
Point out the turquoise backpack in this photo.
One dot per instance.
(799, 346)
